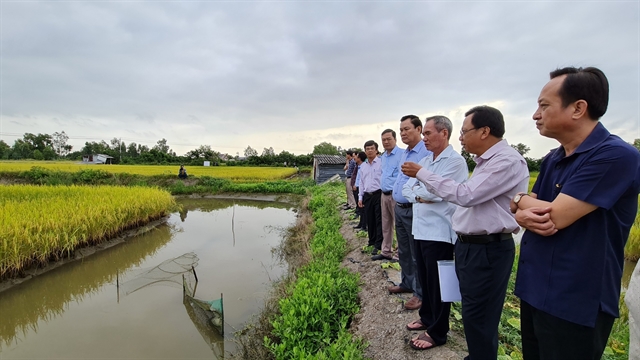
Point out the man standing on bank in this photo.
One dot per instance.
(349, 167)
(369, 194)
(390, 169)
(434, 237)
(484, 223)
(411, 135)
(578, 219)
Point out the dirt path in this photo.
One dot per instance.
(382, 318)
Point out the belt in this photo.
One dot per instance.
(387, 192)
(373, 192)
(484, 239)
(404, 205)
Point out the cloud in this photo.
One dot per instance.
(226, 74)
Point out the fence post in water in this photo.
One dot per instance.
(118, 285)
(194, 273)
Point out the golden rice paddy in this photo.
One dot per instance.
(39, 223)
(225, 172)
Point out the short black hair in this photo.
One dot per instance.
(492, 118)
(371, 143)
(393, 133)
(350, 152)
(415, 121)
(588, 84)
(362, 156)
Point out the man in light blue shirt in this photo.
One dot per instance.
(434, 237)
(411, 135)
(390, 169)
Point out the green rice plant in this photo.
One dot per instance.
(632, 249)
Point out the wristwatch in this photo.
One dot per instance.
(517, 198)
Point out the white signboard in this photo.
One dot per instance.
(207, 163)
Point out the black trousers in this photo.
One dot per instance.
(360, 211)
(545, 336)
(373, 212)
(483, 272)
(433, 313)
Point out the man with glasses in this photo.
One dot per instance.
(484, 224)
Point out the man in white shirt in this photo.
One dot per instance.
(434, 238)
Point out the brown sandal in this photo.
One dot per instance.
(423, 337)
(421, 327)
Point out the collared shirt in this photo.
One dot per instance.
(414, 155)
(576, 272)
(501, 173)
(390, 168)
(358, 174)
(433, 221)
(370, 175)
(352, 165)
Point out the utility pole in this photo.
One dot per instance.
(120, 150)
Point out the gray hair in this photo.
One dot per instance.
(441, 122)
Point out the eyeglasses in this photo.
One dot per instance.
(463, 132)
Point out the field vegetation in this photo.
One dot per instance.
(43, 223)
(245, 173)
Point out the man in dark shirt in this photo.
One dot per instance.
(578, 218)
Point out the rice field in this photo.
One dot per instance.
(40, 223)
(226, 172)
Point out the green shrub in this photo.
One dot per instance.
(319, 306)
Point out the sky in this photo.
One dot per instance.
(292, 74)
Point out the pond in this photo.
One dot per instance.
(89, 309)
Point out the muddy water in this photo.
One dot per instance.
(76, 311)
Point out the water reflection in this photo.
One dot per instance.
(45, 297)
(233, 241)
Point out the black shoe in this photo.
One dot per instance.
(380, 257)
(375, 251)
(357, 228)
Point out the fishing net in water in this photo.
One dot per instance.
(168, 273)
(203, 313)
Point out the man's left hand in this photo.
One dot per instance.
(410, 169)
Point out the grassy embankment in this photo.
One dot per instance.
(308, 314)
(43, 223)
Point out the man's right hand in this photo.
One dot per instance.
(360, 203)
(537, 219)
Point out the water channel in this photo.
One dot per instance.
(76, 311)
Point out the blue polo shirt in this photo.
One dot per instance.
(390, 168)
(576, 272)
(414, 155)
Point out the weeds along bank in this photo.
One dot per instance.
(314, 314)
(43, 223)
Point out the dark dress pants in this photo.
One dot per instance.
(483, 272)
(406, 252)
(545, 336)
(371, 202)
(434, 313)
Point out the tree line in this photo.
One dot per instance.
(55, 147)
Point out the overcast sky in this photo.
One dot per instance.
(291, 74)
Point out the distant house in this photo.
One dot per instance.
(97, 159)
(326, 166)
